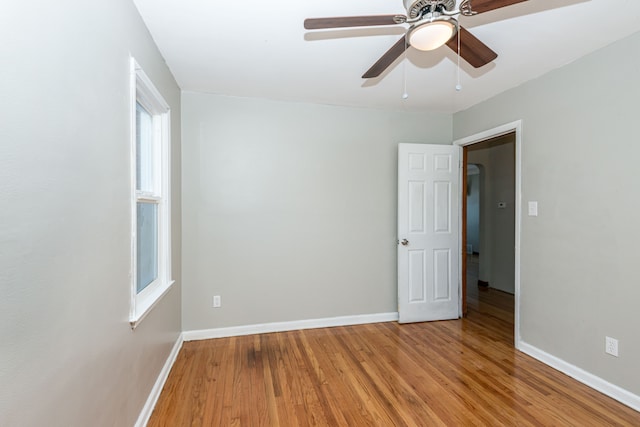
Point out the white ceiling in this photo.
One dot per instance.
(259, 48)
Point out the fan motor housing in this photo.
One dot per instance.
(415, 7)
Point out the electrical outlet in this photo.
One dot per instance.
(216, 301)
(611, 346)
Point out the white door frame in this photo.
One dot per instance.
(482, 136)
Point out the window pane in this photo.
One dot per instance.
(147, 241)
(144, 149)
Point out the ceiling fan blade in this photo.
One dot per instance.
(387, 59)
(351, 21)
(481, 6)
(472, 50)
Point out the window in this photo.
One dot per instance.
(150, 213)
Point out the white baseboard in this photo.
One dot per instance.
(264, 328)
(597, 383)
(150, 404)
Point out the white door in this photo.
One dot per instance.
(428, 241)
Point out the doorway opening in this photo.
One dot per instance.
(490, 222)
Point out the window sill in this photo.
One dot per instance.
(146, 306)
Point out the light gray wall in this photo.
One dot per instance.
(497, 229)
(290, 209)
(580, 152)
(67, 354)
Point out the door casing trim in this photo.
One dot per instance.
(515, 126)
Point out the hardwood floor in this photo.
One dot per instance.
(454, 373)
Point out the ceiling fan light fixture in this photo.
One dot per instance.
(432, 33)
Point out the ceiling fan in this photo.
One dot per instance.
(432, 23)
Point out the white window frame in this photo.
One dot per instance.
(144, 92)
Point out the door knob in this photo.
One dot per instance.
(405, 242)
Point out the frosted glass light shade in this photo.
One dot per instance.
(431, 35)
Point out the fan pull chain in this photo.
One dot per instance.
(458, 85)
(405, 95)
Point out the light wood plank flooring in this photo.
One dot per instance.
(454, 373)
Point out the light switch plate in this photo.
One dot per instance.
(533, 208)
